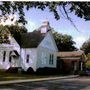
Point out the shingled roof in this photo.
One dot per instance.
(31, 39)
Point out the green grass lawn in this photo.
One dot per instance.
(4, 76)
(17, 76)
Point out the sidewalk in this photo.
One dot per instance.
(34, 80)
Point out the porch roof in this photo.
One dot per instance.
(70, 58)
(70, 54)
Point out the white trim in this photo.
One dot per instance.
(53, 40)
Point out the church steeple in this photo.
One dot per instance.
(45, 23)
(45, 27)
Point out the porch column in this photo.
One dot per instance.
(81, 66)
(75, 66)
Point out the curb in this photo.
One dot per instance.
(37, 80)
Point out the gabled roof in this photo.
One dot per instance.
(70, 54)
(31, 39)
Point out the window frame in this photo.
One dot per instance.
(52, 56)
(10, 58)
(4, 56)
(51, 59)
(27, 58)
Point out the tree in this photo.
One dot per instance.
(64, 42)
(86, 46)
(4, 35)
(11, 7)
(16, 30)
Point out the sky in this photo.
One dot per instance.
(35, 17)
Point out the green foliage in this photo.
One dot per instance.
(11, 7)
(64, 42)
(86, 46)
(88, 61)
(16, 30)
(88, 56)
(82, 73)
(87, 64)
(4, 35)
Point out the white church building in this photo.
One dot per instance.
(37, 50)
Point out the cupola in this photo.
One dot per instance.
(45, 27)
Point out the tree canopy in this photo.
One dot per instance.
(64, 42)
(14, 30)
(4, 33)
(86, 47)
(11, 7)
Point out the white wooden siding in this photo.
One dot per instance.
(44, 61)
(48, 42)
(32, 58)
(8, 47)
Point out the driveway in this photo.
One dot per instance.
(79, 83)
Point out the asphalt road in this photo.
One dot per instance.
(80, 83)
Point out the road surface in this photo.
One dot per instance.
(79, 83)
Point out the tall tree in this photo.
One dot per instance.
(86, 46)
(16, 30)
(64, 42)
(10, 7)
(4, 35)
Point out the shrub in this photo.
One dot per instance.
(12, 70)
(82, 73)
(46, 71)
